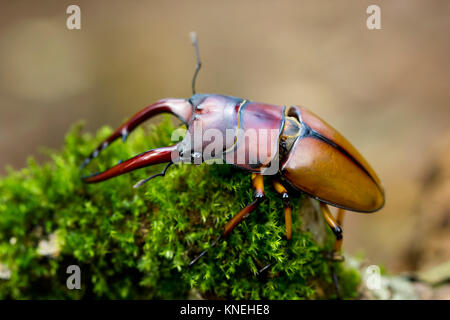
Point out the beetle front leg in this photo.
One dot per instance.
(258, 185)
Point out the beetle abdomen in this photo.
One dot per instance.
(323, 164)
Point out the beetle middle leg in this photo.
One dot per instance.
(280, 189)
(258, 185)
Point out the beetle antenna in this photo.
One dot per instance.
(199, 63)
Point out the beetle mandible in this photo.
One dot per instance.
(313, 158)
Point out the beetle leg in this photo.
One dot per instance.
(335, 225)
(178, 107)
(162, 174)
(340, 221)
(279, 188)
(258, 184)
(337, 230)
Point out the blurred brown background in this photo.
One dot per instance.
(387, 91)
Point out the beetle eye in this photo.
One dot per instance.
(292, 113)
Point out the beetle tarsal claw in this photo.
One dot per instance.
(334, 256)
(141, 182)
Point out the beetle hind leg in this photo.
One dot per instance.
(335, 255)
(336, 227)
(337, 249)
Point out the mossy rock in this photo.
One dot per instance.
(137, 243)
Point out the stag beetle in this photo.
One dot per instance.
(312, 157)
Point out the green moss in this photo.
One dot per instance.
(137, 243)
